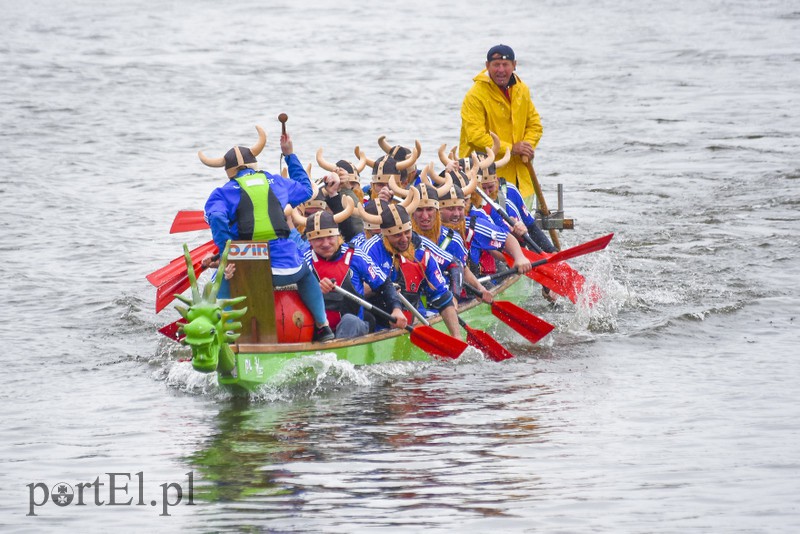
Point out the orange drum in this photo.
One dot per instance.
(293, 322)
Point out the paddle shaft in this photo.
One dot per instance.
(474, 290)
(414, 311)
(526, 236)
(497, 276)
(540, 198)
(366, 305)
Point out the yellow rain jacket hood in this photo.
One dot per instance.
(485, 109)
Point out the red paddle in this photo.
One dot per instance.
(171, 330)
(166, 292)
(188, 221)
(522, 321)
(562, 279)
(578, 250)
(178, 265)
(425, 337)
(477, 338)
(485, 343)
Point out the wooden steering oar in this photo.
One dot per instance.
(477, 338)
(540, 198)
(425, 337)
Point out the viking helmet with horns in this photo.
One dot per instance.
(428, 192)
(460, 189)
(386, 166)
(394, 218)
(488, 172)
(238, 157)
(397, 152)
(324, 223)
(317, 200)
(352, 170)
(375, 208)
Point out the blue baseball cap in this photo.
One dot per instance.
(500, 51)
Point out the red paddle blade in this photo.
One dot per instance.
(178, 265)
(569, 279)
(524, 322)
(171, 330)
(438, 343)
(486, 344)
(559, 277)
(166, 292)
(188, 221)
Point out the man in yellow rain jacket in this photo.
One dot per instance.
(500, 102)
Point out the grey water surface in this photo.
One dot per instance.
(669, 406)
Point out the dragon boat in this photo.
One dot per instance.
(256, 344)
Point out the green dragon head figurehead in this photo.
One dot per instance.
(211, 323)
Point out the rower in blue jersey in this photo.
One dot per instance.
(509, 198)
(441, 242)
(337, 264)
(412, 268)
(483, 240)
(386, 167)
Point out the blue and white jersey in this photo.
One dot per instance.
(442, 257)
(451, 241)
(483, 234)
(515, 207)
(358, 240)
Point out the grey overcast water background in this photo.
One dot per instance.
(671, 406)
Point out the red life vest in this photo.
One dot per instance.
(410, 278)
(338, 270)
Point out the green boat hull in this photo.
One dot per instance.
(259, 365)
